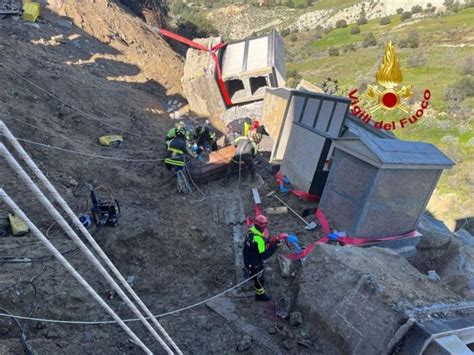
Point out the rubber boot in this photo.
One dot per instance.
(263, 297)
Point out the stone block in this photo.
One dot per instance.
(367, 283)
(199, 81)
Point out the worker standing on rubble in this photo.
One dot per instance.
(242, 127)
(246, 150)
(205, 138)
(178, 149)
(256, 249)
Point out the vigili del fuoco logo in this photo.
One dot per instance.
(389, 94)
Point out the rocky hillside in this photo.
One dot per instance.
(240, 21)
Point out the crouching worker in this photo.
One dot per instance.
(246, 150)
(178, 150)
(256, 250)
(205, 138)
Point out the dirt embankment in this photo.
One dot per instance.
(135, 42)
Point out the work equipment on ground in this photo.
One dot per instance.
(309, 226)
(31, 11)
(104, 213)
(17, 226)
(182, 182)
(113, 140)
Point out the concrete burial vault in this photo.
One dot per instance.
(252, 65)
(380, 187)
(302, 125)
(248, 68)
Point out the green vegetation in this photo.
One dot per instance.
(369, 40)
(355, 30)
(385, 20)
(434, 56)
(405, 16)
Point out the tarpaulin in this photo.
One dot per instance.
(281, 180)
(212, 51)
(353, 241)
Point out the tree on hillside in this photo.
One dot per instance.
(355, 30)
(341, 24)
(369, 40)
(405, 16)
(385, 20)
(416, 9)
(411, 41)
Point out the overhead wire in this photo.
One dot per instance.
(14, 207)
(68, 229)
(59, 321)
(86, 154)
(62, 136)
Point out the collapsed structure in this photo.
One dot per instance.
(241, 73)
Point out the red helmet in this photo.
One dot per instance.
(261, 221)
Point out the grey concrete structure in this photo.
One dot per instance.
(380, 187)
(358, 297)
(302, 125)
(252, 65)
(199, 81)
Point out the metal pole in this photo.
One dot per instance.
(14, 207)
(77, 223)
(71, 233)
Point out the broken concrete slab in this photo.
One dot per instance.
(465, 237)
(359, 297)
(296, 319)
(456, 268)
(435, 233)
(367, 194)
(199, 80)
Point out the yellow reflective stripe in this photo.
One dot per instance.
(246, 128)
(259, 291)
(260, 243)
(175, 162)
(174, 150)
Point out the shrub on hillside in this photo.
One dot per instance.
(416, 9)
(385, 20)
(362, 21)
(195, 25)
(400, 11)
(341, 24)
(293, 37)
(355, 30)
(411, 41)
(405, 16)
(333, 52)
(285, 32)
(429, 5)
(415, 60)
(468, 68)
(369, 40)
(293, 77)
(349, 48)
(460, 90)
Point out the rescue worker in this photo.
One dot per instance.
(242, 127)
(256, 250)
(178, 150)
(204, 136)
(172, 131)
(246, 150)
